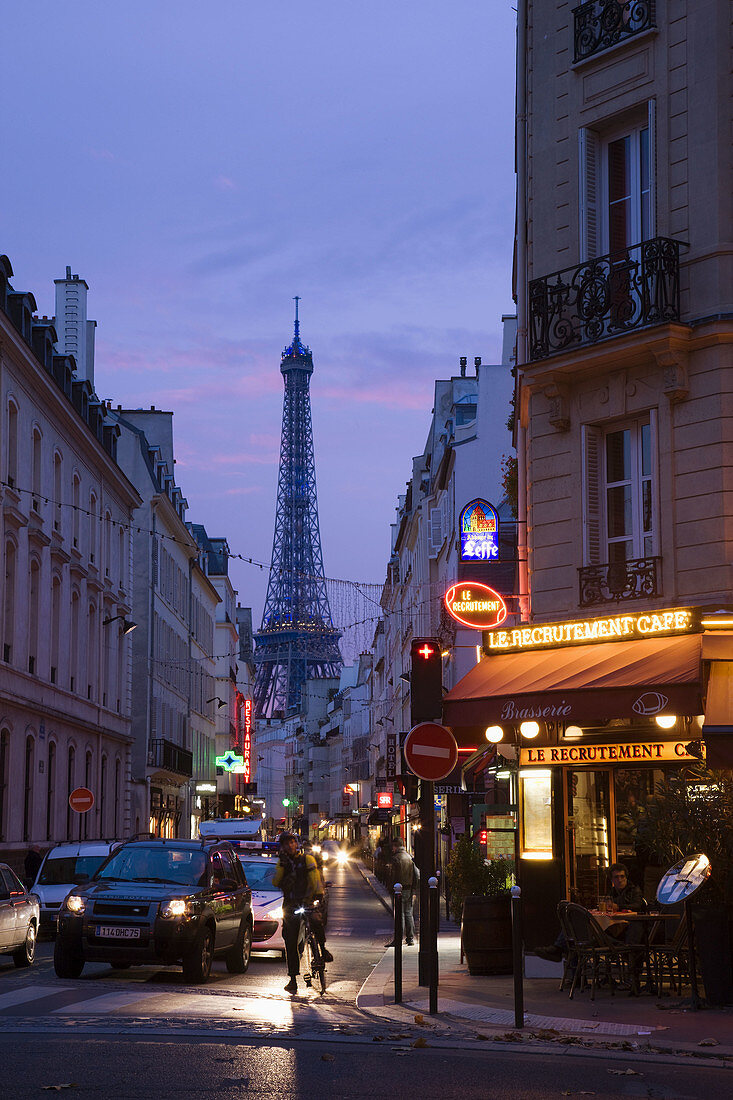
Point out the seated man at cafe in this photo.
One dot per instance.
(625, 897)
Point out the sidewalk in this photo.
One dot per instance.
(486, 1005)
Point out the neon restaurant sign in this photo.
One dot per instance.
(478, 527)
(247, 748)
(475, 605)
(615, 628)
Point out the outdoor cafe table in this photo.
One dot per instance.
(646, 920)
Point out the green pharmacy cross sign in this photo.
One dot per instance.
(230, 762)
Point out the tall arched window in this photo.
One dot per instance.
(50, 789)
(36, 468)
(93, 528)
(28, 789)
(12, 454)
(88, 785)
(76, 509)
(103, 798)
(116, 823)
(92, 653)
(107, 552)
(4, 753)
(70, 784)
(57, 490)
(55, 627)
(74, 642)
(34, 595)
(9, 602)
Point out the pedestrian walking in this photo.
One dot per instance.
(406, 873)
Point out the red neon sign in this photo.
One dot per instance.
(247, 747)
(475, 605)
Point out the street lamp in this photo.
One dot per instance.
(127, 624)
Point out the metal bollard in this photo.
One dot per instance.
(398, 943)
(437, 908)
(517, 960)
(433, 943)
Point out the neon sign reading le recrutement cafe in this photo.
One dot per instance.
(615, 628)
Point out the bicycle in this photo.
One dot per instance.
(310, 949)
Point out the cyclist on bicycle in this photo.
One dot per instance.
(298, 877)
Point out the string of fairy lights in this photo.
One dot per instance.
(356, 606)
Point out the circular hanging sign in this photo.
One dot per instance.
(683, 879)
(430, 751)
(475, 605)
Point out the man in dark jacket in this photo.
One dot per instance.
(406, 873)
(298, 877)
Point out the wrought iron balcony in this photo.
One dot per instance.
(169, 757)
(635, 579)
(602, 23)
(605, 297)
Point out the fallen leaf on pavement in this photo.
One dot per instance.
(58, 1088)
(625, 1073)
(419, 1019)
(483, 1037)
(420, 1042)
(708, 1043)
(328, 1057)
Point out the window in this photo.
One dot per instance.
(28, 789)
(9, 602)
(34, 579)
(55, 627)
(12, 474)
(88, 785)
(50, 788)
(75, 509)
(57, 490)
(92, 528)
(4, 751)
(617, 188)
(620, 491)
(36, 462)
(70, 769)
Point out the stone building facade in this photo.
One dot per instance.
(65, 519)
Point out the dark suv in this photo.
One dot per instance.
(161, 901)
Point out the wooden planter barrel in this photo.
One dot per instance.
(486, 932)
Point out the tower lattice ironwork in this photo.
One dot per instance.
(297, 640)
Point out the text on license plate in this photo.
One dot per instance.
(117, 933)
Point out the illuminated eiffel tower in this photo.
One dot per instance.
(297, 640)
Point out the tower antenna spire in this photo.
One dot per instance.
(296, 299)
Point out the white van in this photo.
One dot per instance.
(63, 868)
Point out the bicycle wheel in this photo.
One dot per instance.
(316, 962)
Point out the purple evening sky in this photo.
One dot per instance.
(199, 165)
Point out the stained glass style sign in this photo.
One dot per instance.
(479, 532)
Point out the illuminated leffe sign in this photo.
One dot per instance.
(615, 628)
(478, 528)
(642, 752)
(475, 605)
(247, 747)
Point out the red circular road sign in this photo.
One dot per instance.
(430, 751)
(81, 800)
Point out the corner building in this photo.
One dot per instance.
(624, 402)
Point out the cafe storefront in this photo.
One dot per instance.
(589, 716)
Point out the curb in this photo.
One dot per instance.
(374, 885)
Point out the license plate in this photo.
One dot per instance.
(113, 932)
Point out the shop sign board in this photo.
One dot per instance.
(385, 800)
(391, 768)
(638, 752)
(478, 528)
(612, 628)
(475, 605)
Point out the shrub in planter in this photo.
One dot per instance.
(480, 899)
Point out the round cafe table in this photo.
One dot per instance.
(647, 921)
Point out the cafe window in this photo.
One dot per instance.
(620, 476)
(536, 795)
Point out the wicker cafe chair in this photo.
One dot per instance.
(594, 950)
(570, 957)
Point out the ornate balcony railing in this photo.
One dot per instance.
(605, 297)
(169, 757)
(635, 579)
(602, 23)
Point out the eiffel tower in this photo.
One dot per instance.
(297, 640)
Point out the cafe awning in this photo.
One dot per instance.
(581, 683)
(718, 726)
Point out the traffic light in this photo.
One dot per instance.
(426, 681)
(407, 786)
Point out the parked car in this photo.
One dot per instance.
(19, 917)
(162, 901)
(64, 867)
(267, 903)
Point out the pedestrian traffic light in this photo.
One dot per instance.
(483, 836)
(426, 681)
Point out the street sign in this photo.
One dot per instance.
(430, 751)
(81, 800)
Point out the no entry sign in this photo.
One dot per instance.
(430, 751)
(81, 800)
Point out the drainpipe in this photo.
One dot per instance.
(521, 431)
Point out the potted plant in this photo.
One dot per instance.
(692, 812)
(480, 899)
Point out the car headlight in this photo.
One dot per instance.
(75, 903)
(276, 914)
(325, 856)
(176, 907)
(342, 857)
